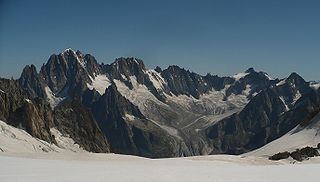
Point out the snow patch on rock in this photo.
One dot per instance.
(156, 79)
(99, 83)
(238, 76)
(315, 85)
(52, 99)
(139, 95)
(65, 142)
(282, 82)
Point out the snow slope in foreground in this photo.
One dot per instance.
(15, 140)
(27, 159)
(297, 138)
(51, 167)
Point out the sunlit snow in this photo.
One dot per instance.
(99, 83)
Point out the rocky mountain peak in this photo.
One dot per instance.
(130, 63)
(295, 77)
(158, 69)
(250, 70)
(30, 81)
(65, 71)
(123, 68)
(29, 70)
(68, 51)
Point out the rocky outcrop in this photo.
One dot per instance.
(177, 112)
(35, 116)
(76, 121)
(127, 129)
(66, 73)
(31, 82)
(269, 115)
(12, 96)
(298, 154)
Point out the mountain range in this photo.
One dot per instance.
(125, 108)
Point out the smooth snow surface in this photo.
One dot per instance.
(14, 140)
(297, 138)
(99, 83)
(120, 168)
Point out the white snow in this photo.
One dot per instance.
(297, 138)
(139, 95)
(284, 102)
(297, 96)
(80, 60)
(212, 101)
(2, 91)
(239, 76)
(123, 77)
(99, 83)
(27, 159)
(282, 82)
(266, 74)
(67, 50)
(315, 85)
(52, 99)
(157, 80)
(121, 168)
(65, 142)
(28, 100)
(15, 140)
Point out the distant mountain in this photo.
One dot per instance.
(124, 107)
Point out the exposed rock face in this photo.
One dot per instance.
(77, 121)
(31, 82)
(11, 97)
(66, 73)
(36, 118)
(181, 81)
(257, 81)
(269, 115)
(125, 68)
(128, 131)
(125, 108)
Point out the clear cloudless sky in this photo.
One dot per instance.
(218, 36)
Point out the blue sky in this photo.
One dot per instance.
(219, 36)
